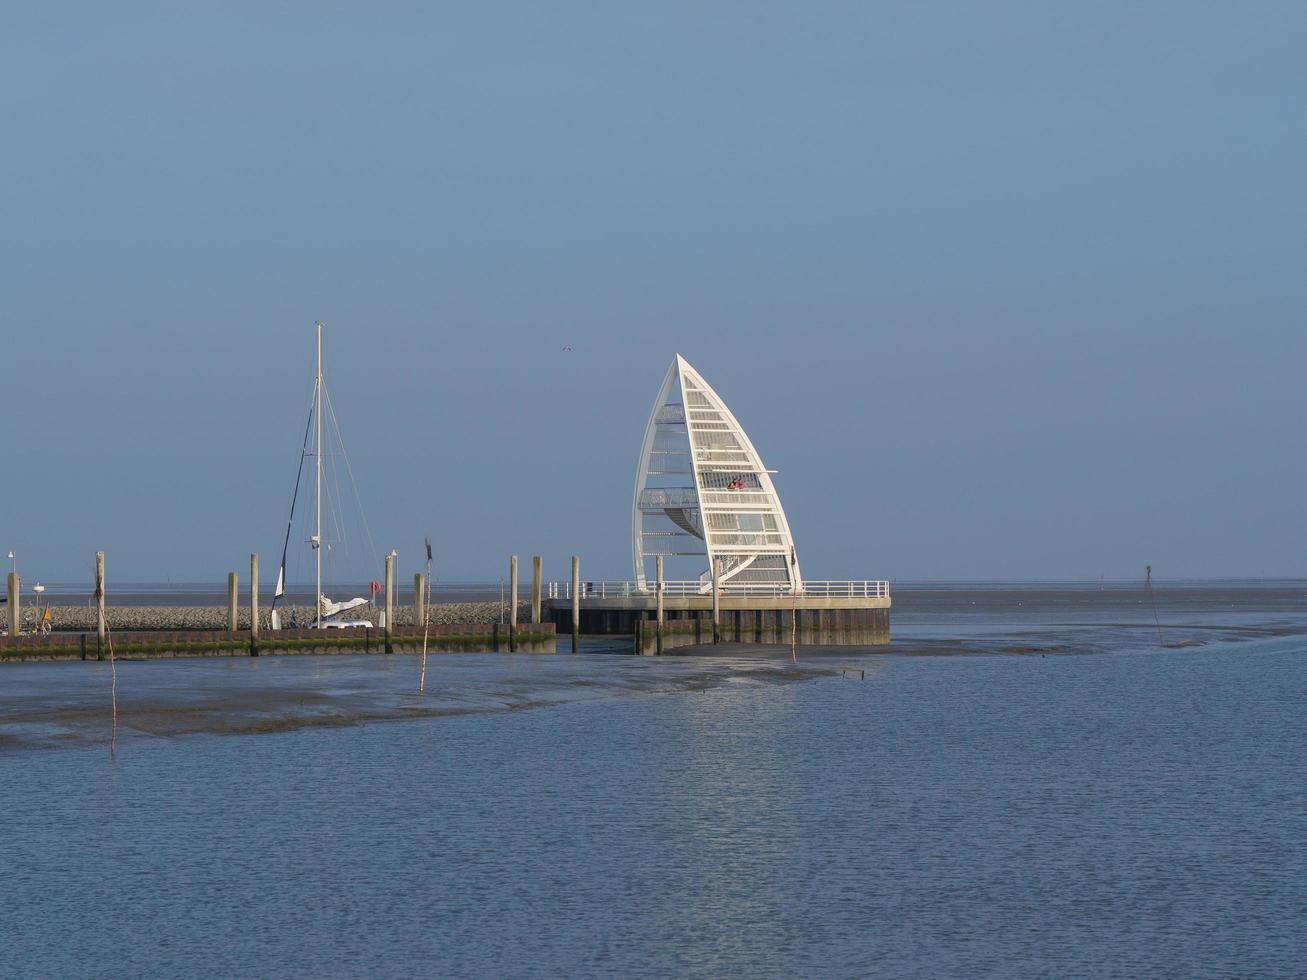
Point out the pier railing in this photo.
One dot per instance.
(866, 589)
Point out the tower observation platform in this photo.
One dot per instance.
(712, 553)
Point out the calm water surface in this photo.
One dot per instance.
(1136, 813)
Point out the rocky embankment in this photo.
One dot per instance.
(82, 618)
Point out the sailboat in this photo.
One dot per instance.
(328, 613)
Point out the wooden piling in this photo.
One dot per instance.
(232, 585)
(100, 622)
(512, 603)
(254, 605)
(15, 590)
(658, 566)
(535, 589)
(576, 603)
(390, 598)
(419, 602)
(716, 602)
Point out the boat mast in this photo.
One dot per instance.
(317, 459)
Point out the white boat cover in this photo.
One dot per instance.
(329, 608)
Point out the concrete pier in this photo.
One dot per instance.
(696, 620)
(693, 632)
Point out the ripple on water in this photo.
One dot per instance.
(1129, 815)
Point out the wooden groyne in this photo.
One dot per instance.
(166, 644)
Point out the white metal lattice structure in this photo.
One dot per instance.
(701, 489)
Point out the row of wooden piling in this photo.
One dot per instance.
(419, 603)
(576, 597)
(233, 600)
(537, 597)
(233, 586)
(15, 601)
(14, 619)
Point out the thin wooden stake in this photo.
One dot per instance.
(512, 604)
(113, 695)
(794, 602)
(794, 636)
(113, 665)
(1148, 587)
(576, 603)
(716, 602)
(426, 625)
(659, 584)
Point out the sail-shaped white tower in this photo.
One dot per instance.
(701, 489)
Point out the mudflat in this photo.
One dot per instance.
(45, 705)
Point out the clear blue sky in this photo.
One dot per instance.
(1002, 290)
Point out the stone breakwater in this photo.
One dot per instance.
(82, 618)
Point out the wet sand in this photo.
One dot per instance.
(959, 620)
(49, 705)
